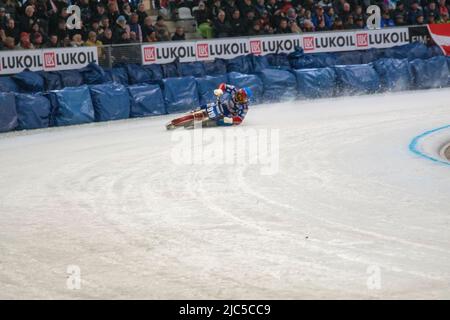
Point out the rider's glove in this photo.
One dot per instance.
(218, 92)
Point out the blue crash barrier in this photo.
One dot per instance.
(33, 111)
(356, 79)
(279, 85)
(195, 69)
(29, 81)
(315, 83)
(252, 81)
(207, 85)
(111, 101)
(171, 70)
(180, 94)
(346, 58)
(70, 78)
(118, 75)
(93, 74)
(7, 84)
(155, 72)
(215, 67)
(370, 55)
(395, 74)
(8, 113)
(146, 100)
(72, 106)
(278, 60)
(416, 50)
(259, 63)
(299, 60)
(430, 73)
(137, 74)
(241, 64)
(52, 80)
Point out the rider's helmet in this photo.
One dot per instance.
(243, 95)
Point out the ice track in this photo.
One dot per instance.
(350, 202)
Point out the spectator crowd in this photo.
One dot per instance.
(34, 24)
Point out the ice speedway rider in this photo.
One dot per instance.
(231, 106)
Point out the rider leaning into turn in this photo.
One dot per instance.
(231, 106)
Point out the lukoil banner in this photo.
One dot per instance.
(15, 61)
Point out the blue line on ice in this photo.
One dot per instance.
(416, 139)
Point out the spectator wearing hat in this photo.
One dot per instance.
(121, 27)
(400, 20)
(444, 18)
(420, 20)
(359, 22)
(24, 42)
(308, 26)
(430, 18)
(443, 8)
(321, 19)
(386, 20)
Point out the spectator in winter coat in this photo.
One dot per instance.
(221, 26)
(148, 27)
(179, 34)
(414, 12)
(237, 25)
(135, 26)
(162, 32)
(320, 16)
(386, 20)
(12, 31)
(203, 22)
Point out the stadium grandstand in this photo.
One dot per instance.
(35, 24)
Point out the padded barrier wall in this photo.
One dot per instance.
(111, 101)
(134, 90)
(146, 100)
(315, 83)
(180, 94)
(8, 113)
(33, 111)
(72, 105)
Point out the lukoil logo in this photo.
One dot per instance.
(255, 46)
(49, 60)
(362, 40)
(308, 43)
(149, 54)
(202, 50)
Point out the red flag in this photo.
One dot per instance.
(440, 33)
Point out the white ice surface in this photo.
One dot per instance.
(349, 197)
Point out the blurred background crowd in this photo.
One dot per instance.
(34, 24)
